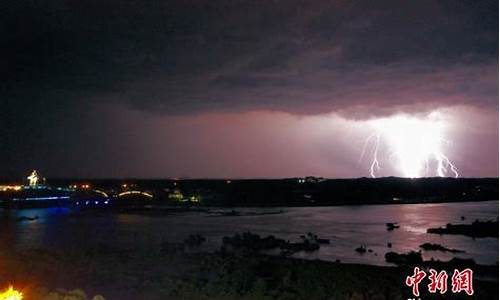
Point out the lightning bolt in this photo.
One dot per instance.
(413, 146)
(375, 165)
(444, 164)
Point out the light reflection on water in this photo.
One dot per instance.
(347, 227)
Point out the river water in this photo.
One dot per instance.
(347, 227)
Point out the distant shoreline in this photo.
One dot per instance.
(292, 192)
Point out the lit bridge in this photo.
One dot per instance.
(125, 198)
(123, 194)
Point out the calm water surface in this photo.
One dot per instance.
(347, 227)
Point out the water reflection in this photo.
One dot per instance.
(347, 227)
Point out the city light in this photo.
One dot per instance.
(5, 188)
(135, 193)
(43, 198)
(11, 294)
(104, 194)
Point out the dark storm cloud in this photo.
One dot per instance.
(304, 57)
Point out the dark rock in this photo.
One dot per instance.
(254, 242)
(437, 247)
(304, 246)
(391, 226)
(313, 238)
(171, 248)
(194, 240)
(360, 249)
(477, 229)
(411, 258)
(24, 218)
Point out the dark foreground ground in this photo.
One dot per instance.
(171, 273)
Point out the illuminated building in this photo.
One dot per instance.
(33, 178)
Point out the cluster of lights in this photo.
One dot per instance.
(176, 195)
(6, 188)
(194, 199)
(88, 202)
(128, 185)
(82, 186)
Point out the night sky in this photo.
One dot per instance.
(266, 89)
